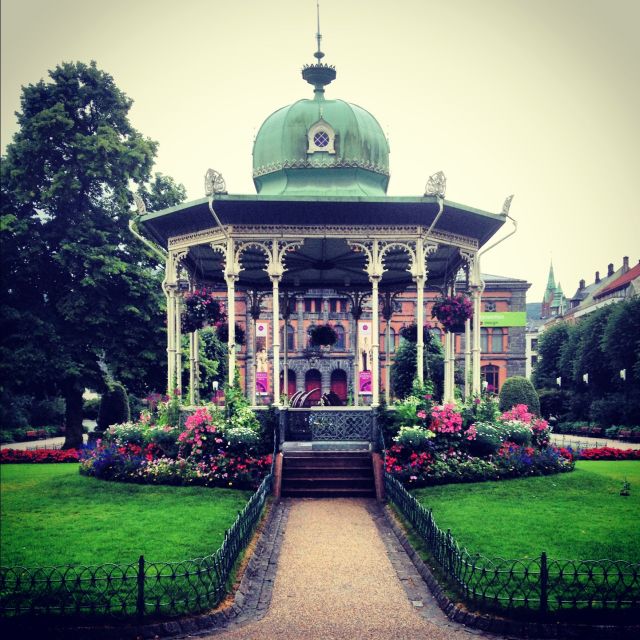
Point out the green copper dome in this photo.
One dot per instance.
(321, 147)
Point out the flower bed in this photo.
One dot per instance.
(11, 456)
(469, 443)
(608, 453)
(210, 450)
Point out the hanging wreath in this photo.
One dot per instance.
(323, 335)
(453, 312)
(201, 309)
(222, 329)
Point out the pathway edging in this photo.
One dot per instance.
(493, 624)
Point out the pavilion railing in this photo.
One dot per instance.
(536, 585)
(138, 590)
(330, 423)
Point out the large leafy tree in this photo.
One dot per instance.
(81, 294)
(550, 347)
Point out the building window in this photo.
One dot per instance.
(491, 374)
(291, 338)
(496, 341)
(340, 344)
(484, 340)
(336, 305)
(534, 344)
(392, 341)
(534, 361)
(310, 328)
(313, 305)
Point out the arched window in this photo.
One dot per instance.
(291, 382)
(291, 338)
(310, 328)
(340, 344)
(313, 382)
(491, 373)
(339, 384)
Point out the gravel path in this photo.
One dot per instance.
(335, 581)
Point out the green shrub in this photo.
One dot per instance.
(487, 441)
(608, 411)
(553, 402)
(91, 408)
(517, 432)
(164, 438)
(14, 411)
(519, 390)
(415, 438)
(114, 407)
(612, 432)
(242, 439)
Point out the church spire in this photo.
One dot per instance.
(318, 74)
(551, 282)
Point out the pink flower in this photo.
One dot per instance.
(421, 414)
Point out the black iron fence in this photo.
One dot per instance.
(140, 589)
(538, 585)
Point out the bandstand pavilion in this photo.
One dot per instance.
(321, 219)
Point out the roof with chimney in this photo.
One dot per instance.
(619, 283)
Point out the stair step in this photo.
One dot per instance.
(328, 483)
(320, 492)
(326, 473)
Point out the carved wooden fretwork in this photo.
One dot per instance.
(259, 233)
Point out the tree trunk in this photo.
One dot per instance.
(73, 417)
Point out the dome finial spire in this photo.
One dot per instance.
(318, 74)
(318, 54)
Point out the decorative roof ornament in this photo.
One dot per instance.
(436, 185)
(319, 74)
(507, 205)
(140, 205)
(214, 183)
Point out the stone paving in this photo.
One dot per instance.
(341, 574)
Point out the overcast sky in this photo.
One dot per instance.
(539, 98)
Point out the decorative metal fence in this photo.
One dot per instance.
(329, 424)
(536, 585)
(140, 589)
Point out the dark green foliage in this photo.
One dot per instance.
(403, 369)
(410, 332)
(519, 390)
(91, 408)
(549, 352)
(114, 407)
(79, 290)
(14, 411)
(223, 333)
(48, 411)
(608, 411)
(553, 402)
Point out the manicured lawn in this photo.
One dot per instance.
(52, 515)
(578, 515)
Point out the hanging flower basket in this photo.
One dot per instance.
(453, 312)
(323, 335)
(410, 333)
(222, 329)
(201, 309)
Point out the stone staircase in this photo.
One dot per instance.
(328, 474)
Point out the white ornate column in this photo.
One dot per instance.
(275, 270)
(446, 396)
(231, 275)
(420, 279)
(467, 358)
(476, 287)
(375, 274)
(193, 367)
(275, 297)
(170, 287)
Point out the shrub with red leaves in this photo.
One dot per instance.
(12, 456)
(609, 453)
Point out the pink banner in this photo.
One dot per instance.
(262, 383)
(365, 383)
